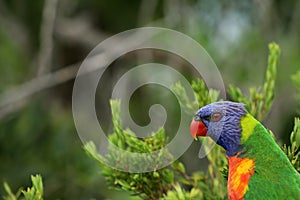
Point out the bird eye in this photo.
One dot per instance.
(207, 118)
(197, 118)
(216, 116)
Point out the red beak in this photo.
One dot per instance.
(198, 128)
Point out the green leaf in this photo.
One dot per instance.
(36, 191)
(10, 195)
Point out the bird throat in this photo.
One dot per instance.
(239, 174)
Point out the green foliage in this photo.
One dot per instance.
(293, 151)
(184, 101)
(260, 98)
(203, 95)
(10, 195)
(147, 185)
(180, 194)
(36, 191)
(33, 193)
(151, 185)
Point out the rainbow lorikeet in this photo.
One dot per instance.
(258, 168)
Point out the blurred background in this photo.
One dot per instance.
(42, 44)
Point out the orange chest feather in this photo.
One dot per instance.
(240, 171)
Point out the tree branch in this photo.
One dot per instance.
(46, 36)
(23, 92)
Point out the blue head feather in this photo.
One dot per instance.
(227, 130)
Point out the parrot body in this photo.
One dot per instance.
(258, 168)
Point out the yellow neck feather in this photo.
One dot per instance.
(248, 124)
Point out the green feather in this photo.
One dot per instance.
(274, 177)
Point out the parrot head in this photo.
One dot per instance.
(221, 122)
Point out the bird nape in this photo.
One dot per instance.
(258, 168)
